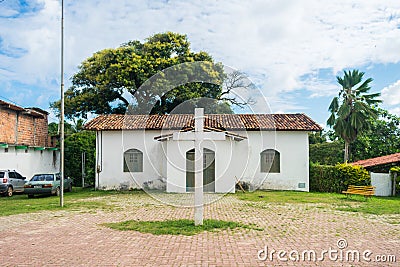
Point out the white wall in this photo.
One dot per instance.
(240, 159)
(294, 160)
(28, 164)
(383, 184)
(110, 146)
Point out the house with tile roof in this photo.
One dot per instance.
(382, 163)
(25, 145)
(268, 151)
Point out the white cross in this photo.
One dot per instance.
(198, 136)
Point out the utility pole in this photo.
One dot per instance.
(62, 109)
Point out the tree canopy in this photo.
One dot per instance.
(382, 138)
(111, 79)
(352, 108)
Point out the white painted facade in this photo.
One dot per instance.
(29, 162)
(166, 160)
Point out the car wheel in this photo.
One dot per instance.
(9, 191)
(30, 196)
(58, 192)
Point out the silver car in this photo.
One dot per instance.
(46, 183)
(11, 182)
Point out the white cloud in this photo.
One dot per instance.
(276, 42)
(391, 97)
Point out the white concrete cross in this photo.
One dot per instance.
(198, 136)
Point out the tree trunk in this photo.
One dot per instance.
(346, 151)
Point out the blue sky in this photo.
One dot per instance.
(292, 50)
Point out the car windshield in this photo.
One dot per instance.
(43, 177)
(1, 174)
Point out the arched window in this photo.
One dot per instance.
(133, 160)
(270, 161)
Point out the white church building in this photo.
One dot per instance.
(267, 151)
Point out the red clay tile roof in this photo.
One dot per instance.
(250, 122)
(10, 106)
(393, 158)
(34, 112)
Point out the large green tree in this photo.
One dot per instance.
(382, 138)
(352, 109)
(111, 79)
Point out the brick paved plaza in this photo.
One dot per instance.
(78, 238)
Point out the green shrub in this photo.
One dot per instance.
(327, 153)
(326, 178)
(75, 145)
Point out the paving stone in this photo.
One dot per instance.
(78, 238)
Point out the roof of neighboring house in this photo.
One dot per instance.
(7, 105)
(383, 160)
(250, 122)
(34, 112)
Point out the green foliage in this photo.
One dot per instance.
(324, 178)
(327, 153)
(176, 227)
(107, 80)
(76, 200)
(352, 108)
(382, 138)
(77, 126)
(317, 137)
(330, 201)
(395, 169)
(75, 145)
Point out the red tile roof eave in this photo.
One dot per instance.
(10, 106)
(378, 161)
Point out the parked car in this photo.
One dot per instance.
(11, 182)
(46, 183)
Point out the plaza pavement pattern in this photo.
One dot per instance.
(78, 238)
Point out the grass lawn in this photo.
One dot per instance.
(20, 203)
(77, 200)
(176, 227)
(354, 203)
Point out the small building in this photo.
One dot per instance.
(380, 164)
(25, 145)
(379, 169)
(265, 150)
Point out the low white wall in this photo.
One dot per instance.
(30, 163)
(383, 184)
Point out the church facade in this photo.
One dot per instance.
(266, 151)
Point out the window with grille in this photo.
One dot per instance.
(133, 160)
(270, 161)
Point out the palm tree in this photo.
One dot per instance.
(356, 106)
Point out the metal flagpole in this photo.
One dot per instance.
(62, 109)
